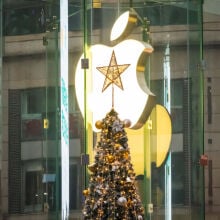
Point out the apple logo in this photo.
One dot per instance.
(129, 94)
(132, 99)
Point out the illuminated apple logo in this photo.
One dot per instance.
(116, 78)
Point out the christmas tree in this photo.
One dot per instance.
(112, 193)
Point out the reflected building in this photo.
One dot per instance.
(185, 41)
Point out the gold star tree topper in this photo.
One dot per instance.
(112, 73)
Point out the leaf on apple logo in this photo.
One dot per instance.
(123, 26)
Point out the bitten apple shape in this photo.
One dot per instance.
(134, 101)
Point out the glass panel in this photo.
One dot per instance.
(182, 110)
(170, 187)
(197, 95)
(52, 165)
(2, 121)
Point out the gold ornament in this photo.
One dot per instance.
(123, 193)
(99, 124)
(129, 203)
(105, 131)
(86, 192)
(130, 171)
(126, 155)
(110, 158)
(100, 212)
(92, 201)
(99, 179)
(92, 167)
(117, 146)
(122, 182)
(117, 135)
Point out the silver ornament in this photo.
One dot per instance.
(140, 217)
(122, 201)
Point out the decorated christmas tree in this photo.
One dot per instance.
(111, 193)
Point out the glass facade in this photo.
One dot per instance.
(168, 176)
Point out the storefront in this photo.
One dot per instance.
(53, 54)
